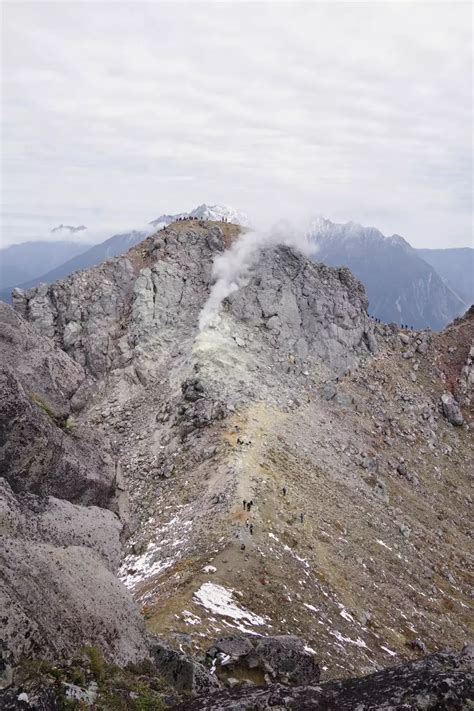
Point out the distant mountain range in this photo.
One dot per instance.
(31, 263)
(23, 262)
(456, 267)
(89, 257)
(402, 287)
(424, 288)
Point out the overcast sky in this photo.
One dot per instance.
(114, 113)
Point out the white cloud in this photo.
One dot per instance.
(117, 112)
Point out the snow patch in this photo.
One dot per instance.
(358, 642)
(346, 615)
(219, 600)
(191, 619)
(134, 569)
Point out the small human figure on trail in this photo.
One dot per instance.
(284, 491)
(302, 518)
(247, 523)
(251, 503)
(251, 529)
(242, 546)
(244, 503)
(248, 506)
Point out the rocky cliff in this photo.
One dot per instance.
(331, 427)
(61, 513)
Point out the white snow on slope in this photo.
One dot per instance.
(358, 642)
(158, 555)
(136, 568)
(219, 600)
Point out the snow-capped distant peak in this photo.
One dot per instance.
(205, 212)
(320, 229)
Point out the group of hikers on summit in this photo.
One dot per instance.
(194, 217)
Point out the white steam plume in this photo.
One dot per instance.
(230, 268)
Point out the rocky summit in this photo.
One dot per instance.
(284, 494)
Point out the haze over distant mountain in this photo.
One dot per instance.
(22, 262)
(87, 256)
(116, 245)
(401, 286)
(455, 267)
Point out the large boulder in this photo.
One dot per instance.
(182, 672)
(451, 409)
(46, 519)
(283, 658)
(58, 590)
(287, 659)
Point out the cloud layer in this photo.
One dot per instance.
(115, 113)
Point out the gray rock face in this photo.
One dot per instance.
(107, 317)
(60, 523)
(309, 309)
(451, 409)
(182, 672)
(39, 456)
(40, 450)
(39, 366)
(55, 600)
(439, 681)
(83, 315)
(59, 545)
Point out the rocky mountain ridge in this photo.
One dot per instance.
(332, 425)
(421, 288)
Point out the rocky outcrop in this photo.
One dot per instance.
(83, 315)
(42, 449)
(182, 672)
(114, 314)
(54, 600)
(41, 453)
(308, 310)
(283, 658)
(441, 681)
(59, 540)
(56, 522)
